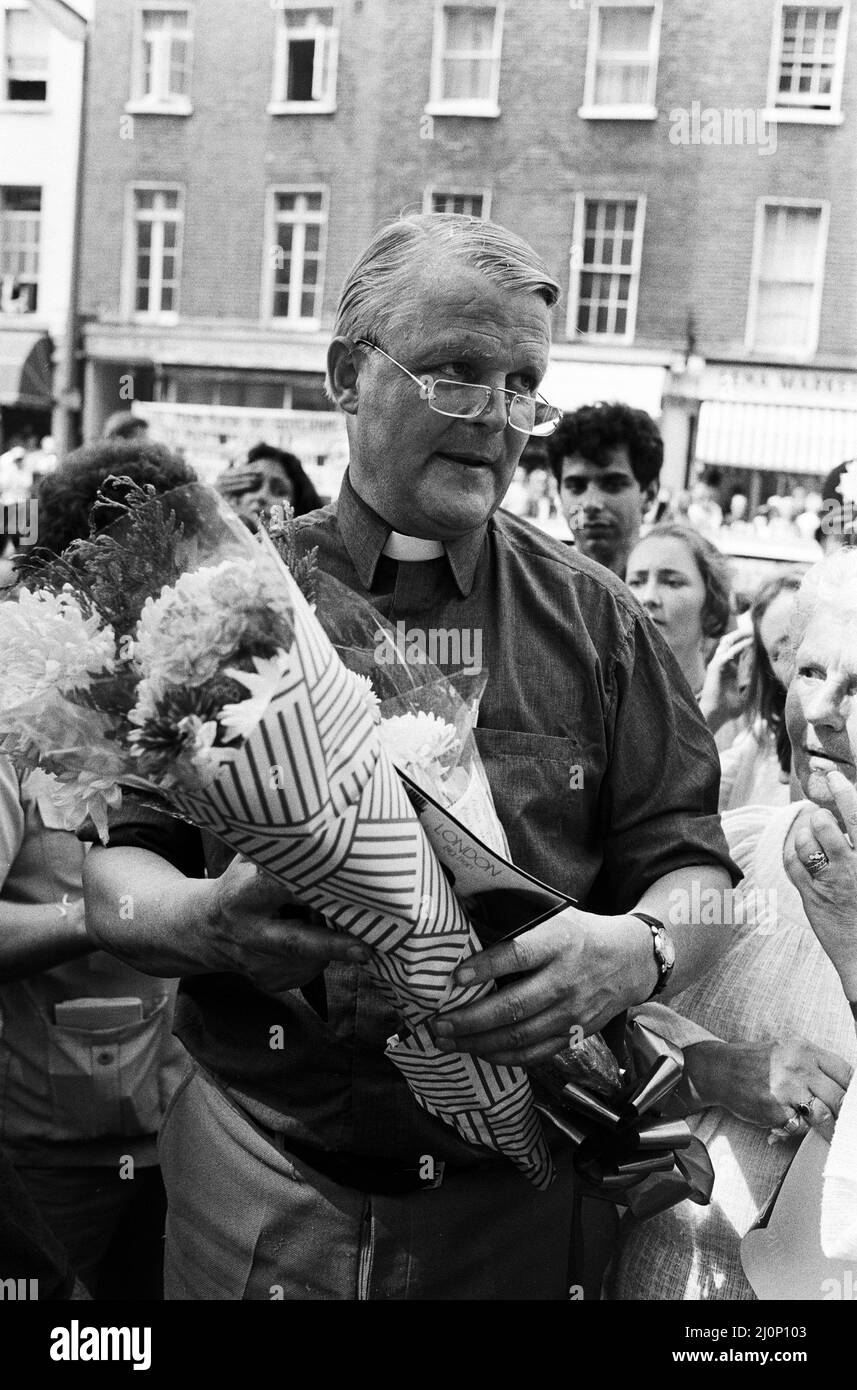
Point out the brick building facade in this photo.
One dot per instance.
(688, 171)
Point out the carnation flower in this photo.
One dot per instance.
(48, 645)
(185, 636)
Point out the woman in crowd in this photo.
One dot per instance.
(269, 476)
(768, 1035)
(87, 1060)
(683, 582)
(755, 769)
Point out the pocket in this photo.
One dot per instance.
(107, 1081)
(546, 792)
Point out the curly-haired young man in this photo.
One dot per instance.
(606, 459)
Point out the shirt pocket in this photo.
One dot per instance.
(545, 790)
(109, 1081)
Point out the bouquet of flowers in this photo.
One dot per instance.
(177, 654)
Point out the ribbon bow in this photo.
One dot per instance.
(626, 1152)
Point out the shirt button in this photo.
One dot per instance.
(105, 1058)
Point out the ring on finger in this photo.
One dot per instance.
(816, 862)
(793, 1124)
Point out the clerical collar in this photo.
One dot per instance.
(365, 535)
(400, 547)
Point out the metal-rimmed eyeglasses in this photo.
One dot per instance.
(464, 400)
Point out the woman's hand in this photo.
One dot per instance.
(829, 893)
(724, 694)
(766, 1083)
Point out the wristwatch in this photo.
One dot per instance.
(664, 950)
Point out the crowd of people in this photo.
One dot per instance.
(717, 753)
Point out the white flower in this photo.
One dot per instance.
(418, 742)
(243, 716)
(85, 796)
(47, 645)
(365, 689)
(187, 632)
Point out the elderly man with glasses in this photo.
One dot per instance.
(310, 1172)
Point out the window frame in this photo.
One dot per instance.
(592, 109)
(138, 103)
(279, 104)
(130, 312)
(15, 104)
(448, 191)
(266, 314)
(800, 114)
(438, 104)
(18, 314)
(791, 352)
(577, 267)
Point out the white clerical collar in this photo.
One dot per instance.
(400, 547)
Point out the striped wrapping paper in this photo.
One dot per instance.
(335, 825)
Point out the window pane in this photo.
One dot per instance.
(307, 306)
(469, 28)
(145, 197)
(625, 30)
(300, 70)
(621, 84)
(27, 39)
(285, 202)
(311, 237)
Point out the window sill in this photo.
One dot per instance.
(158, 108)
(301, 108)
(30, 108)
(617, 113)
(165, 320)
(794, 115)
(488, 109)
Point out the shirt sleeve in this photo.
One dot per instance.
(139, 825)
(658, 804)
(11, 817)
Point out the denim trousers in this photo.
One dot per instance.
(248, 1221)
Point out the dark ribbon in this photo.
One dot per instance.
(626, 1151)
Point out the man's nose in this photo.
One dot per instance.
(495, 416)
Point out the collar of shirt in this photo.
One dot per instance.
(366, 536)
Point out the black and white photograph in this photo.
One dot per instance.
(428, 668)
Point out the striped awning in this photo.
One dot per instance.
(25, 369)
(780, 438)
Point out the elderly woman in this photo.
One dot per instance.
(822, 863)
(768, 1034)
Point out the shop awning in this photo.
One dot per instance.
(25, 369)
(781, 438)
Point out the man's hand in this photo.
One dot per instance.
(765, 1083)
(247, 935)
(579, 969)
(830, 896)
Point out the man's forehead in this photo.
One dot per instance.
(453, 307)
(616, 461)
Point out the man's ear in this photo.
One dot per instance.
(343, 373)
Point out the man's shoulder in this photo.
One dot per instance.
(529, 544)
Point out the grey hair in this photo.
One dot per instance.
(833, 583)
(379, 279)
